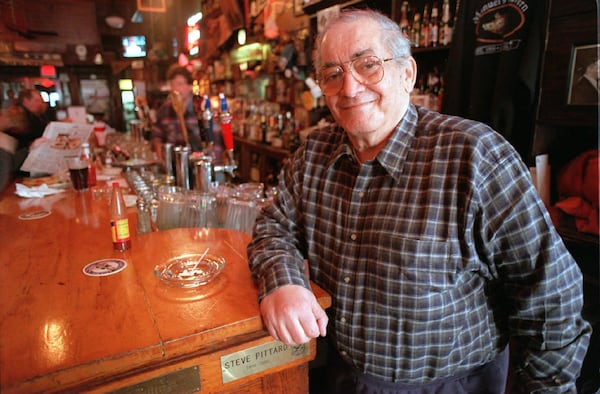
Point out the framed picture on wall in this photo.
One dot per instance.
(584, 69)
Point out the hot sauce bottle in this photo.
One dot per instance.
(119, 222)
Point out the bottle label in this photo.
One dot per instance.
(120, 230)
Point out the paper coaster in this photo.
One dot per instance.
(104, 267)
(34, 215)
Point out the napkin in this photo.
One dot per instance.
(35, 191)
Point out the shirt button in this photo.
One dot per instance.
(343, 320)
(353, 237)
(361, 194)
(343, 353)
(347, 279)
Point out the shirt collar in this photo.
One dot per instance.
(344, 148)
(393, 155)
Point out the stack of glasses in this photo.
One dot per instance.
(233, 207)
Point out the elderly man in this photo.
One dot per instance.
(427, 232)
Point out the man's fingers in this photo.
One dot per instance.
(292, 315)
(322, 320)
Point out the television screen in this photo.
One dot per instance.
(134, 46)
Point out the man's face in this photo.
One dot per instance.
(180, 84)
(35, 104)
(593, 69)
(366, 111)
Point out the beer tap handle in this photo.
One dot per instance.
(225, 117)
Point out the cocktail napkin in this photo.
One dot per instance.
(35, 191)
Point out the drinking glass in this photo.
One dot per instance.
(199, 210)
(170, 207)
(242, 212)
(223, 192)
(79, 172)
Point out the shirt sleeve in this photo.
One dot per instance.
(275, 253)
(541, 281)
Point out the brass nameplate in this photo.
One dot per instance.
(260, 358)
(185, 380)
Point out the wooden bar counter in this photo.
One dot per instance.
(63, 331)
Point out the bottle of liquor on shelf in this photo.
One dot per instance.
(415, 30)
(119, 222)
(446, 24)
(404, 24)
(425, 27)
(197, 100)
(290, 133)
(434, 25)
(87, 154)
(263, 128)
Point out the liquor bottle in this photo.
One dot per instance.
(425, 28)
(197, 99)
(263, 128)
(415, 35)
(434, 25)
(119, 222)
(445, 25)
(86, 154)
(404, 18)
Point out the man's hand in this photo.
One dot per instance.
(292, 315)
(38, 142)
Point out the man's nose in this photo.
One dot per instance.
(351, 83)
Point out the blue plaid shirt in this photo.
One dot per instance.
(435, 252)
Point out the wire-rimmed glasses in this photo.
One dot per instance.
(367, 70)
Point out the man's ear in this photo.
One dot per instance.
(409, 75)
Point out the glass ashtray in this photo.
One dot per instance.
(182, 271)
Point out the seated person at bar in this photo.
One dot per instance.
(427, 232)
(21, 129)
(167, 128)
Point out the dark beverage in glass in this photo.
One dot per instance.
(79, 172)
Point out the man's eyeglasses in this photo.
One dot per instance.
(367, 70)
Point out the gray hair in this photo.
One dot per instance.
(392, 36)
